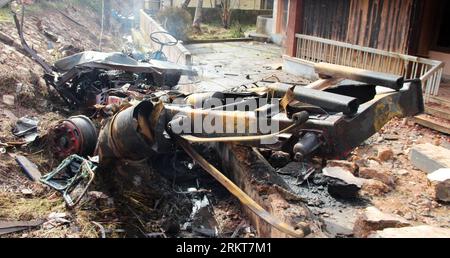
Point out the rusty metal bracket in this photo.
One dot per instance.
(68, 175)
(27, 48)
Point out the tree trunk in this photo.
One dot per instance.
(107, 15)
(226, 13)
(185, 4)
(198, 16)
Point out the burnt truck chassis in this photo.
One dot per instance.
(329, 123)
(339, 134)
(306, 127)
(319, 119)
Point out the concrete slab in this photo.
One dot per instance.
(424, 231)
(226, 65)
(441, 181)
(429, 158)
(299, 67)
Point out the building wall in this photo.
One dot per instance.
(235, 4)
(381, 24)
(444, 57)
(275, 16)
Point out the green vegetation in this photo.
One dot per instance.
(216, 31)
(237, 30)
(5, 15)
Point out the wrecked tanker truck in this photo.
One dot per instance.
(141, 116)
(309, 122)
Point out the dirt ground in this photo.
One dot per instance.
(412, 196)
(103, 212)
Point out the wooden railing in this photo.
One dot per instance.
(314, 49)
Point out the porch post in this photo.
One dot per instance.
(294, 25)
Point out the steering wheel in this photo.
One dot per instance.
(163, 43)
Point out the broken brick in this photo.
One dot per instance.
(385, 154)
(375, 187)
(350, 166)
(370, 173)
(372, 219)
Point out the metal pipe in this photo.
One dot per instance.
(326, 100)
(223, 123)
(371, 77)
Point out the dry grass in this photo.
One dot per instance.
(16, 207)
(5, 15)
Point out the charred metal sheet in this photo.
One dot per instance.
(85, 76)
(116, 61)
(26, 127)
(109, 61)
(29, 168)
(134, 133)
(7, 227)
(27, 48)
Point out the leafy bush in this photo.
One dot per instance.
(237, 30)
(176, 21)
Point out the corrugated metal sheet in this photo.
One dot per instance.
(381, 24)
